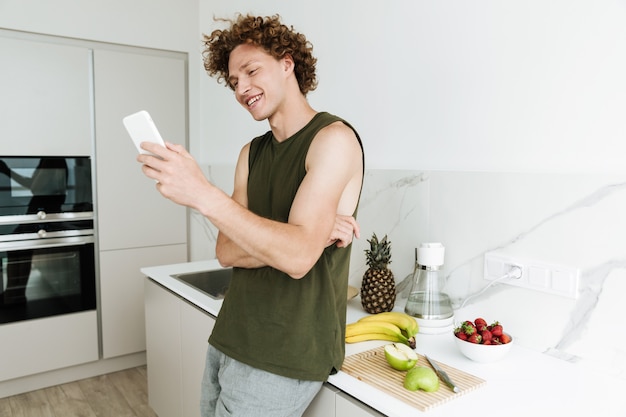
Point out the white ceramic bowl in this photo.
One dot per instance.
(483, 353)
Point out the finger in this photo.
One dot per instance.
(154, 148)
(356, 229)
(343, 243)
(150, 172)
(179, 149)
(351, 226)
(150, 163)
(344, 240)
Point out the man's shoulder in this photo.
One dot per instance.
(337, 127)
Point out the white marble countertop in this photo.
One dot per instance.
(524, 383)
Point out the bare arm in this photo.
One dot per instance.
(228, 252)
(334, 173)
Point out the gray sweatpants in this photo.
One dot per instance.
(231, 388)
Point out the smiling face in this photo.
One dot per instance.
(260, 81)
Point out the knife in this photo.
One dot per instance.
(443, 375)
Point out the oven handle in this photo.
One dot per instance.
(43, 234)
(46, 243)
(43, 217)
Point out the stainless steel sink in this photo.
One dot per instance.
(212, 283)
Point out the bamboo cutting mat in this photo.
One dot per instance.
(372, 368)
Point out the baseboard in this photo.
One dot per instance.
(73, 373)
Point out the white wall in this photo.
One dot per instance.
(517, 86)
(528, 86)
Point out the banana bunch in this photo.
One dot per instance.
(393, 326)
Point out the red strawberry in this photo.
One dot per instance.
(480, 323)
(505, 338)
(474, 338)
(486, 336)
(487, 342)
(458, 332)
(468, 327)
(496, 329)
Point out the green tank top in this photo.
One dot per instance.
(268, 320)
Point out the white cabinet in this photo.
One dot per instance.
(331, 401)
(137, 227)
(35, 346)
(323, 405)
(176, 336)
(163, 352)
(45, 103)
(131, 213)
(346, 406)
(122, 295)
(196, 326)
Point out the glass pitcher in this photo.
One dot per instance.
(427, 302)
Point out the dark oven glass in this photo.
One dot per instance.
(46, 278)
(47, 260)
(53, 184)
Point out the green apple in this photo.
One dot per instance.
(422, 378)
(400, 356)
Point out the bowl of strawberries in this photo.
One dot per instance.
(482, 342)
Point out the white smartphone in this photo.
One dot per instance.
(141, 128)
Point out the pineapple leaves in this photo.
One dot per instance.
(379, 253)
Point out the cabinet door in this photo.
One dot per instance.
(323, 405)
(196, 327)
(163, 353)
(35, 346)
(131, 212)
(122, 295)
(349, 407)
(45, 104)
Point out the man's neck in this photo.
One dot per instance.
(290, 119)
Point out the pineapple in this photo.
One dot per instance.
(378, 288)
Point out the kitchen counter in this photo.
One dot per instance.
(163, 275)
(524, 383)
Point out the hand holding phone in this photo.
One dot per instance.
(141, 128)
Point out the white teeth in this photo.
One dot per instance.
(253, 100)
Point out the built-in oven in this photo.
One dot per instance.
(47, 249)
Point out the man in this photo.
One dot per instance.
(286, 230)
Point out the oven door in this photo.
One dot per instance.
(46, 277)
(45, 187)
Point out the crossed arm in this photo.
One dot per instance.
(320, 213)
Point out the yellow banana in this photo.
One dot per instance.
(383, 327)
(371, 330)
(371, 336)
(406, 323)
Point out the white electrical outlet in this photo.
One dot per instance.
(536, 275)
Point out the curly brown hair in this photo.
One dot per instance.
(270, 34)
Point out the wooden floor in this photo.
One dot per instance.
(120, 394)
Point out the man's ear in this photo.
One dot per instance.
(288, 63)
